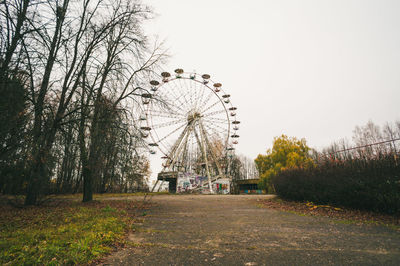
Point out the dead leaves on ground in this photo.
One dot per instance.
(341, 213)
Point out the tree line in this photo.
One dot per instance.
(363, 174)
(368, 141)
(71, 76)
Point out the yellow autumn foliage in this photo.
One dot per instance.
(287, 152)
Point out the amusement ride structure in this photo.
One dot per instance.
(190, 119)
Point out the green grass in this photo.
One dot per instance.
(70, 233)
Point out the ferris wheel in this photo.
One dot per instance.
(190, 119)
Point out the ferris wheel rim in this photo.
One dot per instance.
(157, 139)
(192, 77)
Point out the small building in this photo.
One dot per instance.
(249, 186)
(171, 178)
(222, 186)
(181, 182)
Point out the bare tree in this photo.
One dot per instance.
(390, 133)
(81, 65)
(126, 65)
(65, 39)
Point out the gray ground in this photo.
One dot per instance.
(235, 230)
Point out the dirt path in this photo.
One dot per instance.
(233, 230)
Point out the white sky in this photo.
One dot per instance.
(311, 69)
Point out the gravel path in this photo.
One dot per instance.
(235, 230)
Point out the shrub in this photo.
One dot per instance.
(287, 152)
(372, 184)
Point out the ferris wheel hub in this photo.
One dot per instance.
(193, 117)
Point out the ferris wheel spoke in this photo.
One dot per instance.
(182, 97)
(165, 115)
(211, 106)
(217, 128)
(200, 98)
(172, 98)
(214, 113)
(167, 110)
(176, 105)
(167, 107)
(211, 122)
(219, 131)
(185, 105)
(170, 123)
(203, 103)
(196, 95)
(171, 133)
(193, 95)
(216, 119)
(184, 94)
(222, 123)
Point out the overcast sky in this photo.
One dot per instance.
(311, 69)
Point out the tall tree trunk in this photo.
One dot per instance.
(85, 172)
(89, 168)
(40, 154)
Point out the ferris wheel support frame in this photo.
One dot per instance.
(211, 150)
(203, 144)
(195, 132)
(202, 141)
(204, 153)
